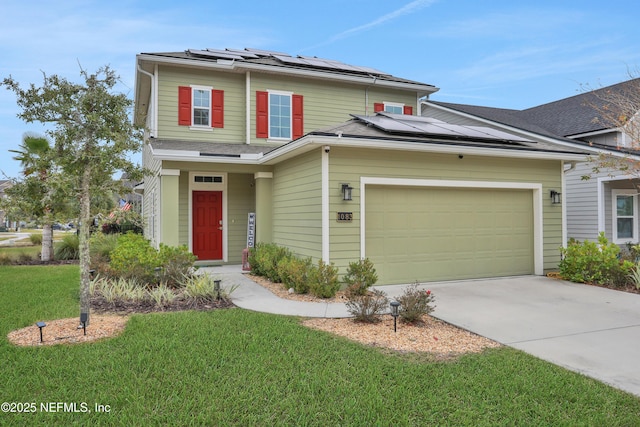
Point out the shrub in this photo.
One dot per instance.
(294, 273)
(134, 258)
(634, 276)
(162, 295)
(323, 280)
(35, 239)
(119, 289)
(366, 308)
(414, 303)
(594, 262)
(101, 245)
(264, 259)
(68, 248)
(360, 276)
(176, 262)
(199, 288)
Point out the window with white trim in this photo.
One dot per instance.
(201, 107)
(625, 216)
(279, 115)
(394, 108)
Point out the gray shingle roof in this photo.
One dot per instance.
(563, 118)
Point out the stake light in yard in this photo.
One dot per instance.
(83, 321)
(395, 308)
(216, 288)
(41, 325)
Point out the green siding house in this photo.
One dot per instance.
(337, 163)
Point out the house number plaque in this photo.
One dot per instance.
(344, 217)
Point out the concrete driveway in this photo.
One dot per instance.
(587, 329)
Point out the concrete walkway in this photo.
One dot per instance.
(590, 330)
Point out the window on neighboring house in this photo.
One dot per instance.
(625, 216)
(200, 107)
(392, 107)
(279, 115)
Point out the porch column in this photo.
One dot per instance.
(264, 207)
(169, 206)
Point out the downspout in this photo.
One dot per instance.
(152, 99)
(565, 237)
(247, 107)
(366, 95)
(324, 162)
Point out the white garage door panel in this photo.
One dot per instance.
(426, 234)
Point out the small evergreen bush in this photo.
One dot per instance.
(323, 280)
(414, 303)
(176, 263)
(294, 273)
(264, 259)
(35, 239)
(360, 276)
(596, 263)
(134, 258)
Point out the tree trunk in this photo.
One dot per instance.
(85, 226)
(47, 243)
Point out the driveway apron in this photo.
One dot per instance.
(590, 330)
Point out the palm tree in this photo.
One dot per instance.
(35, 159)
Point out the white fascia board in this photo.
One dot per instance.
(174, 153)
(207, 159)
(244, 66)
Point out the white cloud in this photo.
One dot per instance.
(407, 9)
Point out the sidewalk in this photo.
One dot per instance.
(252, 296)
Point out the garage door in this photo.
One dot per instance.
(429, 234)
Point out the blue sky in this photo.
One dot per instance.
(507, 54)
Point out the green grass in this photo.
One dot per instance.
(15, 252)
(235, 367)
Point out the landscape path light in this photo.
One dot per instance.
(216, 288)
(41, 325)
(395, 308)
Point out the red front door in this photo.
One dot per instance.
(207, 224)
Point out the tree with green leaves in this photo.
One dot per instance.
(93, 137)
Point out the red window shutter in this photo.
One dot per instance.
(184, 106)
(408, 110)
(297, 116)
(378, 106)
(262, 114)
(217, 108)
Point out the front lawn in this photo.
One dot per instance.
(235, 367)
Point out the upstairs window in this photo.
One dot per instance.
(393, 108)
(625, 216)
(279, 115)
(200, 107)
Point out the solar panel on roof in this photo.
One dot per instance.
(213, 54)
(224, 54)
(245, 54)
(266, 52)
(425, 126)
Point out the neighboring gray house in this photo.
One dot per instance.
(608, 201)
